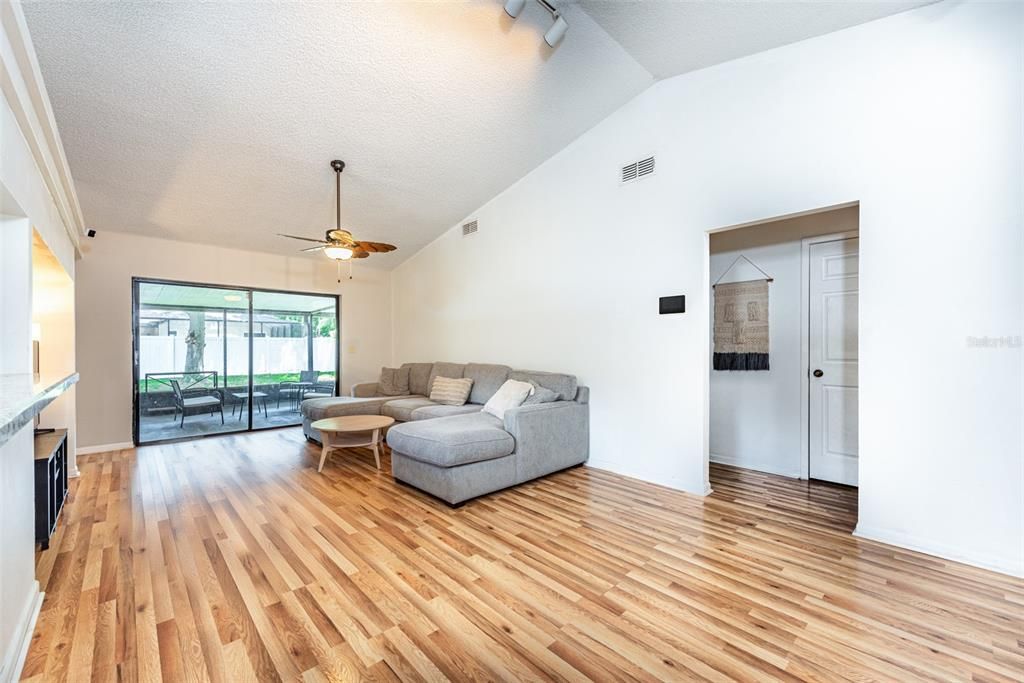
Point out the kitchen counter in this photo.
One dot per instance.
(22, 398)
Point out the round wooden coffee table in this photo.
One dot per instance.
(352, 431)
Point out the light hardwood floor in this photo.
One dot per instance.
(231, 559)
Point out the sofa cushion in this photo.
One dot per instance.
(487, 379)
(453, 370)
(565, 385)
(451, 441)
(393, 382)
(419, 377)
(455, 484)
(401, 409)
(320, 408)
(430, 412)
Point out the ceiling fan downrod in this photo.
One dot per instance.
(338, 165)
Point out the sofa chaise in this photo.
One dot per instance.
(459, 452)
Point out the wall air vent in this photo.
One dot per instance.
(469, 228)
(637, 170)
(645, 167)
(629, 172)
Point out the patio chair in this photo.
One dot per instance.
(206, 403)
(321, 389)
(293, 391)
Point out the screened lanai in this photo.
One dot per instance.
(212, 359)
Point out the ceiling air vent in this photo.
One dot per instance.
(469, 228)
(637, 170)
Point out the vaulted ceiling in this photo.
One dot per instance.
(215, 122)
(671, 37)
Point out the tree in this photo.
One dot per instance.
(325, 326)
(195, 341)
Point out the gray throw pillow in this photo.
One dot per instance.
(393, 382)
(541, 395)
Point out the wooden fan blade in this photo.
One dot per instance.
(376, 247)
(359, 253)
(304, 239)
(320, 248)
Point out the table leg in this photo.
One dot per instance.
(376, 446)
(326, 438)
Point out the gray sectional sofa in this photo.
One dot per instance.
(458, 452)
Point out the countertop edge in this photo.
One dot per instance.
(33, 405)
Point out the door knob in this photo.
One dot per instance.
(818, 373)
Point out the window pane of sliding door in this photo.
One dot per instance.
(192, 360)
(294, 353)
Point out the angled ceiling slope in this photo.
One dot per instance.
(672, 37)
(215, 122)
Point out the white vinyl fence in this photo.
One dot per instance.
(270, 355)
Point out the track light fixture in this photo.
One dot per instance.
(557, 31)
(558, 28)
(514, 7)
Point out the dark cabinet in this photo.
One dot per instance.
(51, 451)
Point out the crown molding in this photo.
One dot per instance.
(21, 82)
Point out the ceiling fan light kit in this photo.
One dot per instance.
(553, 36)
(338, 253)
(339, 244)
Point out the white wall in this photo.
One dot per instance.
(104, 293)
(15, 292)
(755, 416)
(32, 195)
(19, 592)
(917, 116)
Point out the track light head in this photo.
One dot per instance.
(514, 7)
(557, 31)
(554, 35)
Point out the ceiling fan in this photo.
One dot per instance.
(338, 243)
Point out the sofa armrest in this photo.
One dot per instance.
(364, 390)
(549, 437)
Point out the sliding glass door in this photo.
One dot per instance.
(210, 359)
(294, 353)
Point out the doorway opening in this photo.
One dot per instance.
(214, 359)
(783, 343)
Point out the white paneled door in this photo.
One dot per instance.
(833, 361)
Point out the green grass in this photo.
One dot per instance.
(233, 381)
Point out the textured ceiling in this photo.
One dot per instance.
(215, 122)
(671, 37)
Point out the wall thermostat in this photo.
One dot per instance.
(672, 304)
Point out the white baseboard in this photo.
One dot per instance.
(678, 485)
(1003, 565)
(14, 659)
(756, 465)
(104, 448)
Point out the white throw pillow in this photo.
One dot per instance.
(511, 395)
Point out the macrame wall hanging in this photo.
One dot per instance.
(741, 322)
